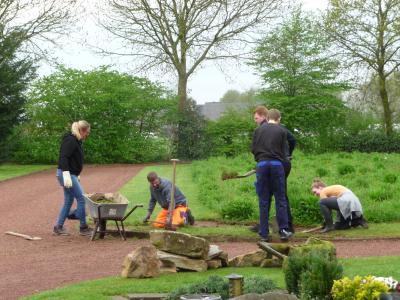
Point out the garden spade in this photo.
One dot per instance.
(169, 225)
(25, 236)
(234, 175)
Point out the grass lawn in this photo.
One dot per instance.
(103, 288)
(8, 171)
(137, 191)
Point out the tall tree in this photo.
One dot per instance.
(182, 34)
(26, 28)
(293, 58)
(368, 33)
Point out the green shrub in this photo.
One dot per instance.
(219, 285)
(318, 278)
(345, 169)
(370, 141)
(306, 211)
(309, 270)
(258, 285)
(358, 288)
(213, 285)
(390, 178)
(237, 209)
(380, 194)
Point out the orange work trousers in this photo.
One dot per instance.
(178, 217)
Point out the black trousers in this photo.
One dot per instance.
(326, 205)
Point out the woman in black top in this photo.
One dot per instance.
(70, 165)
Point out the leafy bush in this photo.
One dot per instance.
(127, 115)
(237, 209)
(358, 288)
(219, 285)
(306, 211)
(258, 285)
(370, 141)
(213, 285)
(390, 178)
(345, 169)
(311, 269)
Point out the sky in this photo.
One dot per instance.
(208, 84)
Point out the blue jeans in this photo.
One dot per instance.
(76, 192)
(271, 181)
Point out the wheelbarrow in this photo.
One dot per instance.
(108, 206)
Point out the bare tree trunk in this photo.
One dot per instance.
(387, 114)
(182, 91)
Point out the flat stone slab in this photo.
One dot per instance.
(180, 243)
(153, 296)
(182, 262)
(118, 298)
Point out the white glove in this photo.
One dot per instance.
(67, 179)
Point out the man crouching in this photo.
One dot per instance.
(160, 191)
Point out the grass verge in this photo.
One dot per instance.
(137, 191)
(110, 286)
(8, 171)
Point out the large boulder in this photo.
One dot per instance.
(252, 259)
(141, 263)
(182, 262)
(180, 243)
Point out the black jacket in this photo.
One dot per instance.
(291, 143)
(71, 154)
(269, 142)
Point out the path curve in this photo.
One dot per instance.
(30, 205)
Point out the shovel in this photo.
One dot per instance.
(234, 175)
(25, 236)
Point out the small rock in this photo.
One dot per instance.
(214, 252)
(252, 259)
(224, 259)
(214, 264)
(141, 263)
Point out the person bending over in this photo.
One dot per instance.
(160, 191)
(338, 197)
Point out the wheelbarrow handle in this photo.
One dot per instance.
(131, 211)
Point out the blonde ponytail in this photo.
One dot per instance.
(77, 126)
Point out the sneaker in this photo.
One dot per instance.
(255, 228)
(327, 228)
(364, 223)
(59, 230)
(85, 231)
(189, 217)
(285, 234)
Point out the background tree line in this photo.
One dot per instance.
(301, 58)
